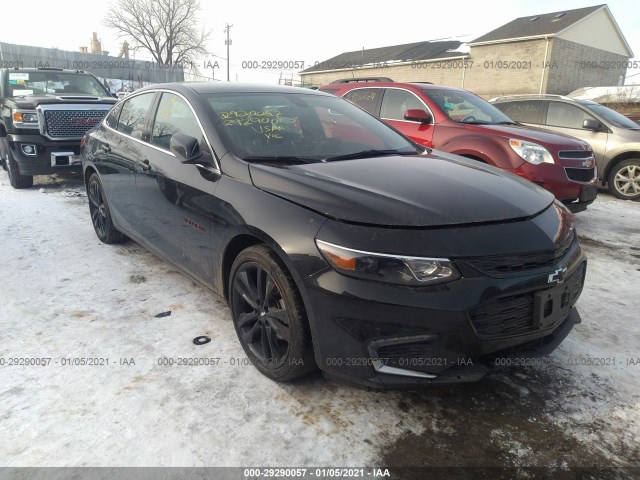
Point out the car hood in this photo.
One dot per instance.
(411, 191)
(625, 135)
(32, 101)
(537, 135)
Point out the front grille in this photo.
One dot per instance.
(513, 314)
(521, 262)
(573, 154)
(583, 175)
(71, 123)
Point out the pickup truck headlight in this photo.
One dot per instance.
(25, 118)
(531, 152)
(380, 267)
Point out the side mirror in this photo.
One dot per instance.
(186, 148)
(417, 115)
(591, 124)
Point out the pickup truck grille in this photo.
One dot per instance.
(71, 123)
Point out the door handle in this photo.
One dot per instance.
(145, 165)
(105, 148)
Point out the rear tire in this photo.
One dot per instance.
(268, 315)
(17, 181)
(624, 179)
(100, 213)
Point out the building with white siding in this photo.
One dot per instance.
(554, 53)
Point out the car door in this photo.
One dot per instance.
(567, 118)
(116, 156)
(395, 103)
(176, 199)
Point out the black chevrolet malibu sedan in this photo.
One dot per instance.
(337, 242)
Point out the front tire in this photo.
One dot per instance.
(3, 155)
(100, 213)
(17, 181)
(269, 316)
(624, 179)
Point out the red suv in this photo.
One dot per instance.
(457, 121)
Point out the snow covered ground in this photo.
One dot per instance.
(66, 295)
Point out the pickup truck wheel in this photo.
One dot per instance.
(100, 213)
(269, 316)
(16, 180)
(624, 179)
(3, 155)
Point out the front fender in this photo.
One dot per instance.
(490, 151)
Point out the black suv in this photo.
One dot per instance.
(45, 113)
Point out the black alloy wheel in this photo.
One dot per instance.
(268, 315)
(100, 213)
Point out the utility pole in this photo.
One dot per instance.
(227, 42)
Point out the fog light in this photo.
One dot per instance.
(29, 149)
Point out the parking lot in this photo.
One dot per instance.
(67, 296)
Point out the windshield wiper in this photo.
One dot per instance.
(370, 153)
(280, 159)
(507, 123)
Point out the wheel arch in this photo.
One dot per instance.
(246, 239)
(617, 159)
(473, 157)
(90, 170)
(233, 248)
(486, 150)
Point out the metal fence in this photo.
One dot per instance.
(103, 66)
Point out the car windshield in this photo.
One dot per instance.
(54, 83)
(465, 107)
(289, 127)
(611, 116)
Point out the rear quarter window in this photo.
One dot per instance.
(366, 98)
(133, 115)
(332, 91)
(112, 117)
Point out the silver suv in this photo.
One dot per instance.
(614, 138)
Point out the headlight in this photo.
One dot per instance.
(380, 267)
(531, 152)
(25, 118)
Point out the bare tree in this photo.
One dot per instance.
(164, 28)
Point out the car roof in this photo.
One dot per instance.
(550, 97)
(354, 85)
(224, 87)
(56, 70)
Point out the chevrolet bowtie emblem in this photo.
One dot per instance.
(558, 276)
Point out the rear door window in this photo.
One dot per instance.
(133, 116)
(525, 112)
(366, 98)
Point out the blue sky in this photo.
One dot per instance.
(304, 31)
